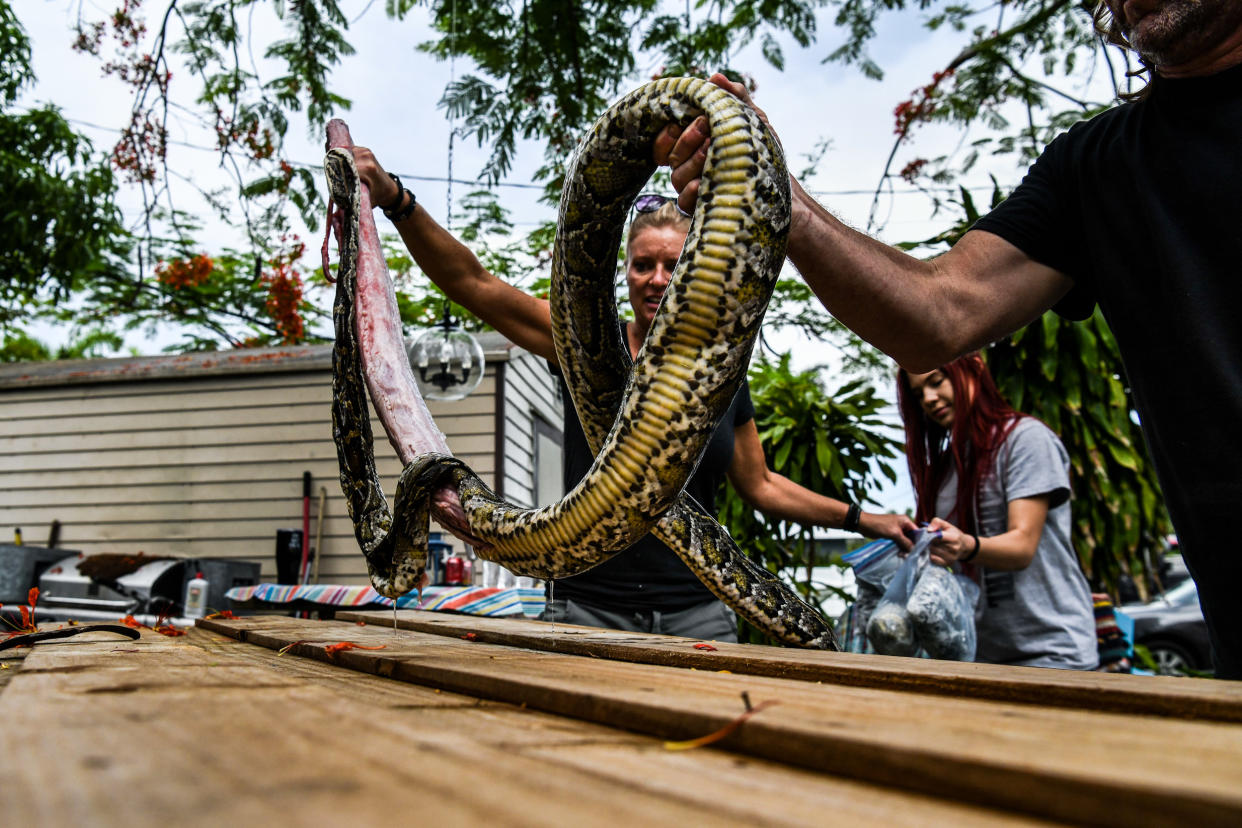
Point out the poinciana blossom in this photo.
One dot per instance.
(284, 286)
(28, 624)
(180, 273)
(920, 106)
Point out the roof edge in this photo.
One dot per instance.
(292, 359)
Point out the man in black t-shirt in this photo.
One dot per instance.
(1137, 211)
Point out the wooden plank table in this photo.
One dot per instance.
(462, 720)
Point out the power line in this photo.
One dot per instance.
(439, 179)
(318, 166)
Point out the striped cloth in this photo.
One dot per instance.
(491, 601)
(1111, 643)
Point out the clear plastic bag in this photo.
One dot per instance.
(942, 611)
(874, 564)
(890, 629)
(925, 607)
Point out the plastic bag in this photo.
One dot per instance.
(874, 564)
(942, 612)
(925, 607)
(890, 628)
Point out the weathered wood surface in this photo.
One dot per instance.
(1154, 695)
(208, 730)
(1054, 762)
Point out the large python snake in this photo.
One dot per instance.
(648, 422)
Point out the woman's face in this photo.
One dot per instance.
(935, 392)
(653, 254)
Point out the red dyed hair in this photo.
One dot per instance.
(982, 419)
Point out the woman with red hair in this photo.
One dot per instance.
(995, 484)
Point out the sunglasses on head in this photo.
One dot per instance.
(650, 202)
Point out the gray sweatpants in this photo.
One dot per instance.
(711, 620)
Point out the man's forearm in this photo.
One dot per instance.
(445, 260)
(921, 313)
(883, 294)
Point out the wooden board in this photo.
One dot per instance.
(1058, 763)
(205, 730)
(1108, 692)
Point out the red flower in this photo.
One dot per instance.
(333, 649)
(181, 273)
(284, 286)
(911, 171)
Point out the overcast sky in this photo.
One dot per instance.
(395, 90)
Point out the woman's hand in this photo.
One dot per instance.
(952, 545)
(891, 527)
(383, 189)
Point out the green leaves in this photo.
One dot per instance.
(15, 69)
(62, 227)
(1068, 374)
(317, 44)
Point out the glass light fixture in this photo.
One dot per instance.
(447, 361)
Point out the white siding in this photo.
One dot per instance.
(530, 392)
(198, 455)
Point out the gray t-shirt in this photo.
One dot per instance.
(1041, 616)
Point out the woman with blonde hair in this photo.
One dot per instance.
(645, 588)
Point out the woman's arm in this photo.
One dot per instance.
(524, 319)
(778, 496)
(1011, 551)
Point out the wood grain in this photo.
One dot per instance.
(1108, 692)
(1058, 763)
(205, 730)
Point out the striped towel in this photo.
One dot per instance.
(489, 601)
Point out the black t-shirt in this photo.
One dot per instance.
(1142, 208)
(648, 575)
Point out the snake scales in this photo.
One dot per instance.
(648, 422)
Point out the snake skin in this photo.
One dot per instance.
(648, 422)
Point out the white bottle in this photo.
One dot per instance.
(196, 596)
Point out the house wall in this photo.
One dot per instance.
(531, 397)
(202, 455)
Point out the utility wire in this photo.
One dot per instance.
(516, 185)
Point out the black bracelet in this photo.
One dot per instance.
(974, 552)
(852, 516)
(396, 202)
(408, 210)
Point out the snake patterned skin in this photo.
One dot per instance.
(648, 422)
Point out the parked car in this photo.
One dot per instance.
(1172, 628)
